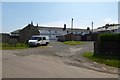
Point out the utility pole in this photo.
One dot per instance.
(72, 29)
(92, 27)
(72, 26)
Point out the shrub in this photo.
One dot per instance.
(108, 44)
(109, 37)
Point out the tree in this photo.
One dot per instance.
(106, 26)
(88, 28)
(64, 27)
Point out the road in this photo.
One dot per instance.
(34, 66)
(48, 62)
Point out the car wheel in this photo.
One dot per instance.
(38, 44)
(46, 43)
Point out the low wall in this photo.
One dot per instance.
(78, 37)
(106, 48)
(74, 37)
(6, 38)
(69, 37)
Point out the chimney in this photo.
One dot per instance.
(64, 27)
(31, 23)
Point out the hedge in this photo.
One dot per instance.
(110, 37)
(108, 44)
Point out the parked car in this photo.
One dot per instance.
(38, 40)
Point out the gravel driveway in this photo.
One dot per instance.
(71, 55)
(57, 49)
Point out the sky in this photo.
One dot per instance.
(17, 15)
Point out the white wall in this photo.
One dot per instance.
(52, 33)
(118, 31)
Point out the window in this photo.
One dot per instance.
(44, 38)
(36, 38)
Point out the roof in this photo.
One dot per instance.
(16, 31)
(59, 28)
(52, 29)
(108, 27)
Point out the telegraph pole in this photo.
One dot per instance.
(72, 26)
(72, 29)
(92, 27)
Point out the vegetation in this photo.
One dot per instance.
(73, 42)
(108, 60)
(88, 28)
(109, 37)
(108, 44)
(7, 46)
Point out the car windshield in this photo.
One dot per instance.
(36, 38)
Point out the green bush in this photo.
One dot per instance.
(109, 37)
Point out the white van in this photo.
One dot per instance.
(38, 40)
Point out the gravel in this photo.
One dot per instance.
(70, 55)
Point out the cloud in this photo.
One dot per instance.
(109, 21)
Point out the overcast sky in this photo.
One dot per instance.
(16, 15)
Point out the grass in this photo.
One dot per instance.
(8, 46)
(73, 42)
(113, 61)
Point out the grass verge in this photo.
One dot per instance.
(12, 48)
(7, 46)
(113, 61)
(73, 42)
